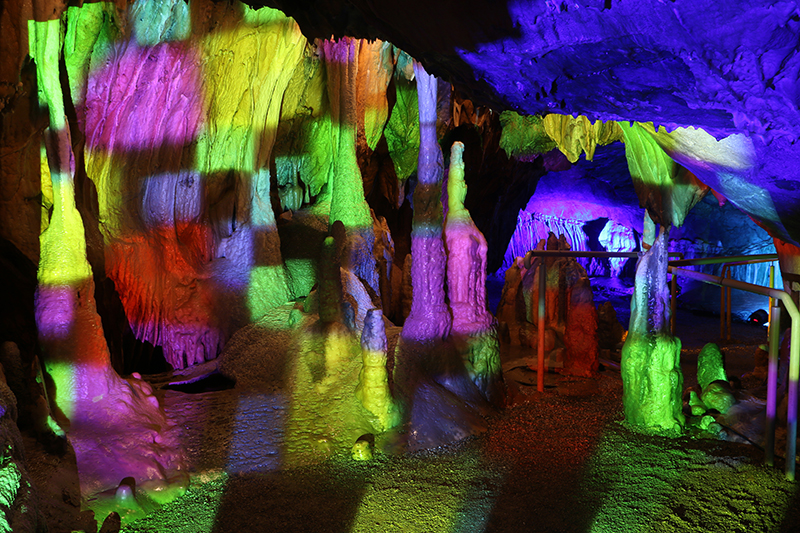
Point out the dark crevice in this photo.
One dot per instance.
(208, 383)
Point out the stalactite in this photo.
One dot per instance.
(533, 227)
(347, 191)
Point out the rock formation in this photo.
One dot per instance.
(571, 319)
(473, 325)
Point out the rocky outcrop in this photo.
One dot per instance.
(570, 320)
(19, 503)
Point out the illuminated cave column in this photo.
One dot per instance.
(89, 399)
(348, 204)
(652, 381)
(247, 68)
(69, 328)
(373, 381)
(429, 319)
(466, 282)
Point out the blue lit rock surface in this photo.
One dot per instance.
(728, 69)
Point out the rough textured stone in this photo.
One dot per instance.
(651, 374)
(466, 285)
(429, 318)
(710, 366)
(570, 320)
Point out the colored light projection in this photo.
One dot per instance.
(155, 104)
(90, 399)
(466, 284)
(429, 319)
(180, 155)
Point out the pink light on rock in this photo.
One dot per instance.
(55, 312)
(144, 97)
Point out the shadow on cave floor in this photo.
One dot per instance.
(555, 461)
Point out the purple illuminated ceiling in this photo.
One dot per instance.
(727, 67)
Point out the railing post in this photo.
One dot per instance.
(673, 303)
(791, 414)
(772, 379)
(542, 290)
(722, 309)
(728, 310)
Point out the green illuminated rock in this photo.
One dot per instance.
(696, 404)
(361, 451)
(652, 381)
(303, 147)
(91, 30)
(718, 395)
(667, 190)
(524, 135)
(347, 201)
(651, 375)
(710, 366)
(402, 130)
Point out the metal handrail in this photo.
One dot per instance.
(725, 294)
(542, 288)
(717, 260)
(772, 379)
(723, 303)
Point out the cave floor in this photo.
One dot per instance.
(555, 461)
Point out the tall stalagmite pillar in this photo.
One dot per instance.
(429, 319)
(651, 373)
(466, 283)
(347, 191)
(116, 426)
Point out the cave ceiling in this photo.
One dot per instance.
(728, 68)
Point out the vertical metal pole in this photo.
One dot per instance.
(673, 303)
(771, 300)
(542, 290)
(772, 379)
(791, 415)
(729, 308)
(722, 311)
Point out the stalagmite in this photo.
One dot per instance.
(466, 283)
(330, 284)
(373, 382)
(116, 426)
(429, 319)
(651, 374)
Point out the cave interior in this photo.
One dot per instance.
(348, 265)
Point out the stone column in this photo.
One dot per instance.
(466, 283)
(347, 190)
(429, 319)
(651, 373)
(107, 418)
